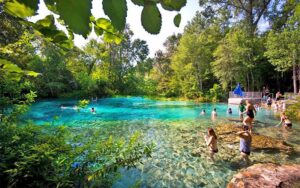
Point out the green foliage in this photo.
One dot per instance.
(76, 15)
(36, 156)
(215, 93)
(293, 110)
(83, 103)
(21, 8)
(47, 27)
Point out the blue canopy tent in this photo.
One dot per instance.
(238, 90)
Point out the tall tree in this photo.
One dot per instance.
(283, 48)
(191, 62)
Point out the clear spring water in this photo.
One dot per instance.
(174, 127)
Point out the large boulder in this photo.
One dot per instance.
(267, 176)
(226, 133)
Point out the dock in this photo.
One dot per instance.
(254, 97)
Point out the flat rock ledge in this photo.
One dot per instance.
(226, 133)
(266, 176)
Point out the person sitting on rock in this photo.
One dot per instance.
(211, 142)
(245, 143)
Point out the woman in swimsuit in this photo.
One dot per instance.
(250, 110)
(245, 143)
(285, 121)
(211, 142)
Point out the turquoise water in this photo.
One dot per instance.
(174, 127)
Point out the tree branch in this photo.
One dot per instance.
(266, 3)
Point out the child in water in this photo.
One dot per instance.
(211, 142)
(93, 110)
(203, 112)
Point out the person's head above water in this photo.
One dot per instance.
(211, 132)
(245, 128)
(215, 109)
(203, 110)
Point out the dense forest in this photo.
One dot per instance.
(215, 52)
(224, 44)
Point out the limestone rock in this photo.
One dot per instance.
(267, 176)
(226, 133)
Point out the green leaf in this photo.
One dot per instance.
(21, 8)
(116, 10)
(51, 5)
(177, 20)
(173, 4)
(32, 73)
(109, 37)
(151, 18)
(76, 15)
(98, 31)
(138, 2)
(9, 66)
(105, 24)
(47, 27)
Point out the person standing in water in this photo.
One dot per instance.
(245, 143)
(211, 142)
(250, 110)
(241, 110)
(214, 114)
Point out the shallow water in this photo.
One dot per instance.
(180, 157)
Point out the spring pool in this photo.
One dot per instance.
(174, 127)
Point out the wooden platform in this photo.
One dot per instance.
(238, 100)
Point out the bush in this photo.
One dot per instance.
(293, 111)
(35, 156)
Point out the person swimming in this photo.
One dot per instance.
(203, 112)
(229, 111)
(211, 142)
(93, 110)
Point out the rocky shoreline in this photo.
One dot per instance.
(267, 175)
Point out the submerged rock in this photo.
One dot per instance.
(226, 133)
(267, 175)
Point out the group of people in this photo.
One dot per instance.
(245, 143)
(245, 132)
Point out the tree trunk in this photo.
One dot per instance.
(252, 80)
(248, 82)
(294, 77)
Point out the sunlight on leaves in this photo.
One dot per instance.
(22, 9)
